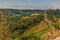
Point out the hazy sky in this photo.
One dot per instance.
(30, 4)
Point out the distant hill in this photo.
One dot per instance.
(22, 12)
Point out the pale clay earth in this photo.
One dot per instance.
(57, 38)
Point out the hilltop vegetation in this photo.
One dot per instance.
(29, 24)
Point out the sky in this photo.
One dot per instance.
(30, 4)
